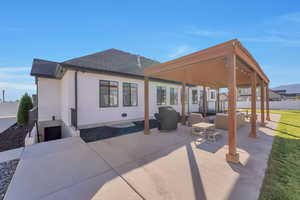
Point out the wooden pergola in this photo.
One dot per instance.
(227, 65)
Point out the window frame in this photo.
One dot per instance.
(197, 100)
(175, 91)
(165, 89)
(130, 86)
(109, 86)
(212, 96)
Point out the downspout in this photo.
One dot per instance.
(188, 99)
(37, 105)
(76, 100)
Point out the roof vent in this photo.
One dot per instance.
(139, 62)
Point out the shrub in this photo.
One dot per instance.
(24, 107)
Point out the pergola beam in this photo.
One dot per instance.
(211, 53)
(246, 57)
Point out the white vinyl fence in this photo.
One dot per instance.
(8, 109)
(274, 105)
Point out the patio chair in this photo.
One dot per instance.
(195, 118)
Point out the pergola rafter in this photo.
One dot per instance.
(227, 65)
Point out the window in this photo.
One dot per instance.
(130, 94)
(173, 96)
(212, 95)
(194, 97)
(161, 95)
(108, 93)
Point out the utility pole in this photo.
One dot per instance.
(3, 99)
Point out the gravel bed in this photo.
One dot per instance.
(7, 170)
(14, 137)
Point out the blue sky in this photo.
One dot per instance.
(161, 30)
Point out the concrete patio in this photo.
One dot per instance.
(173, 165)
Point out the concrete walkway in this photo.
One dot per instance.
(172, 165)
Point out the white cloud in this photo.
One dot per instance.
(17, 86)
(180, 51)
(208, 33)
(14, 69)
(14, 76)
(291, 17)
(274, 39)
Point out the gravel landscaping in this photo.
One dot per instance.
(14, 137)
(7, 170)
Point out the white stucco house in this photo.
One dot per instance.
(102, 88)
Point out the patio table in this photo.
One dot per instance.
(202, 128)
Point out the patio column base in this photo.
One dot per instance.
(263, 124)
(233, 158)
(268, 118)
(146, 132)
(251, 135)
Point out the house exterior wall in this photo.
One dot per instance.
(89, 111)
(49, 99)
(68, 96)
(57, 97)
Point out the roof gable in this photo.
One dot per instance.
(45, 68)
(113, 60)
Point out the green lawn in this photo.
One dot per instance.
(282, 180)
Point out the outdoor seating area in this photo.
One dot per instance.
(132, 161)
(227, 65)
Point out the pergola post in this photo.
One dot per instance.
(268, 102)
(146, 106)
(253, 105)
(218, 100)
(204, 101)
(232, 155)
(183, 104)
(262, 103)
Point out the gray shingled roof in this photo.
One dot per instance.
(111, 60)
(290, 89)
(45, 68)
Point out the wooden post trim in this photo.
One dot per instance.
(204, 101)
(218, 100)
(146, 106)
(232, 155)
(262, 103)
(268, 102)
(253, 105)
(183, 104)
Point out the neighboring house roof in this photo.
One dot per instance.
(289, 89)
(274, 95)
(45, 68)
